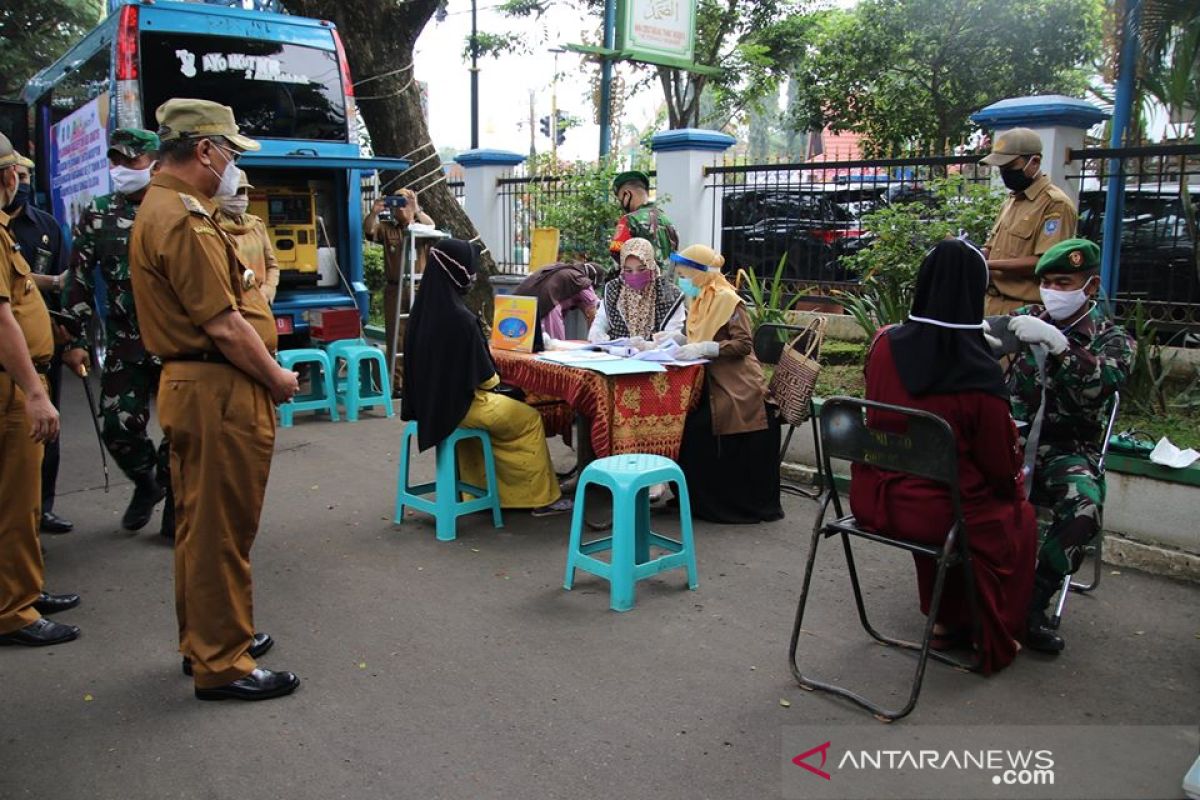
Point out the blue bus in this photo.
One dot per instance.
(289, 85)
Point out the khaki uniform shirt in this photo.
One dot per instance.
(185, 272)
(736, 389)
(1030, 223)
(17, 288)
(253, 243)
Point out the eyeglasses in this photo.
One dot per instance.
(233, 155)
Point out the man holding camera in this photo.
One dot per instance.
(386, 225)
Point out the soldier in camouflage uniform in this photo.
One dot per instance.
(101, 239)
(643, 220)
(1088, 358)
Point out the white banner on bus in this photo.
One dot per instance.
(79, 159)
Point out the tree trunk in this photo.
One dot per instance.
(379, 37)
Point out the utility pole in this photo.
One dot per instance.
(606, 71)
(474, 77)
(532, 132)
(554, 108)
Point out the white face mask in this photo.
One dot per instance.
(234, 206)
(230, 177)
(1062, 305)
(129, 181)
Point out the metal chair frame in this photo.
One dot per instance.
(1096, 547)
(812, 494)
(927, 450)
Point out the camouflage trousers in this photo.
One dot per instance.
(125, 390)
(1069, 484)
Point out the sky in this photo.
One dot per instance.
(504, 83)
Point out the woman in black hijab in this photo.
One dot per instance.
(448, 380)
(938, 361)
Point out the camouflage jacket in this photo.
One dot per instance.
(649, 223)
(101, 239)
(1079, 382)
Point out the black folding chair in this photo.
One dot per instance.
(770, 339)
(1095, 547)
(927, 450)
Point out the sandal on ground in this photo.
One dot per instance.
(560, 506)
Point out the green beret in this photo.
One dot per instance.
(133, 142)
(1071, 255)
(631, 175)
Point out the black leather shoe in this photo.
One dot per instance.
(55, 603)
(53, 523)
(41, 633)
(146, 495)
(1041, 637)
(262, 643)
(167, 531)
(262, 684)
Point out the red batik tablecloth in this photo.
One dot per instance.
(629, 413)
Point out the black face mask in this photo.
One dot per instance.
(20, 199)
(1015, 179)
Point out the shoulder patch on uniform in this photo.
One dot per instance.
(204, 230)
(193, 205)
(1052, 225)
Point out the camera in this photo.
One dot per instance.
(389, 203)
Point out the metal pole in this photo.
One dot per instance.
(610, 33)
(474, 78)
(1114, 203)
(554, 111)
(532, 132)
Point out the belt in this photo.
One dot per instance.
(210, 358)
(40, 369)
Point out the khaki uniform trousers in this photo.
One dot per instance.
(221, 425)
(21, 569)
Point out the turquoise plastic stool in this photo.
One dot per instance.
(357, 391)
(629, 478)
(445, 506)
(322, 397)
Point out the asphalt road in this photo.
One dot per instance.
(463, 670)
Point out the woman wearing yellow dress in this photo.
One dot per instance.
(249, 235)
(449, 376)
(730, 451)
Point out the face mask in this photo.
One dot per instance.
(234, 206)
(637, 280)
(1015, 179)
(688, 288)
(229, 177)
(129, 181)
(20, 199)
(1062, 305)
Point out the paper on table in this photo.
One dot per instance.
(1169, 455)
(577, 357)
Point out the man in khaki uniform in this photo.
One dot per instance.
(27, 421)
(1036, 216)
(391, 234)
(203, 314)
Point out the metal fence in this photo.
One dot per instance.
(810, 215)
(1158, 266)
(530, 201)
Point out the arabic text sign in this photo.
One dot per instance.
(660, 27)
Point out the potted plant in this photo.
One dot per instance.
(768, 306)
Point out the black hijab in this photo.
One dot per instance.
(445, 355)
(558, 282)
(932, 359)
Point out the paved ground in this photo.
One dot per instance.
(463, 670)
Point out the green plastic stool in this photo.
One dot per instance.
(445, 505)
(629, 478)
(322, 397)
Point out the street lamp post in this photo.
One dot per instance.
(474, 77)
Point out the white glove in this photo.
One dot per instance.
(697, 350)
(1032, 330)
(638, 343)
(662, 337)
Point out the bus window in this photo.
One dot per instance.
(277, 90)
(80, 85)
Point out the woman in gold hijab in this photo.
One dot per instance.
(730, 451)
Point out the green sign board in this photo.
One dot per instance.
(657, 31)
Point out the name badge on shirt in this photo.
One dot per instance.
(42, 261)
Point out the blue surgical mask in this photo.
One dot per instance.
(687, 287)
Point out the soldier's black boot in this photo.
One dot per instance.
(1039, 635)
(146, 494)
(167, 531)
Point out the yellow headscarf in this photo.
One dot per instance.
(715, 305)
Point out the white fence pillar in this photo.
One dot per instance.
(482, 168)
(1061, 122)
(680, 157)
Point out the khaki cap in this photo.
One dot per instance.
(22, 161)
(1011, 145)
(8, 156)
(184, 116)
(243, 181)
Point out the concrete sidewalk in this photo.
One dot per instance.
(463, 670)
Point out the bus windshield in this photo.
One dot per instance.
(277, 90)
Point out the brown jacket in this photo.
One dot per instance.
(736, 389)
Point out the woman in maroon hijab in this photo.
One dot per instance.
(938, 361)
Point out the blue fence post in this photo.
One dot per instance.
(1114, 204)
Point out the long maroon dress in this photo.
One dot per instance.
(1001, 525)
